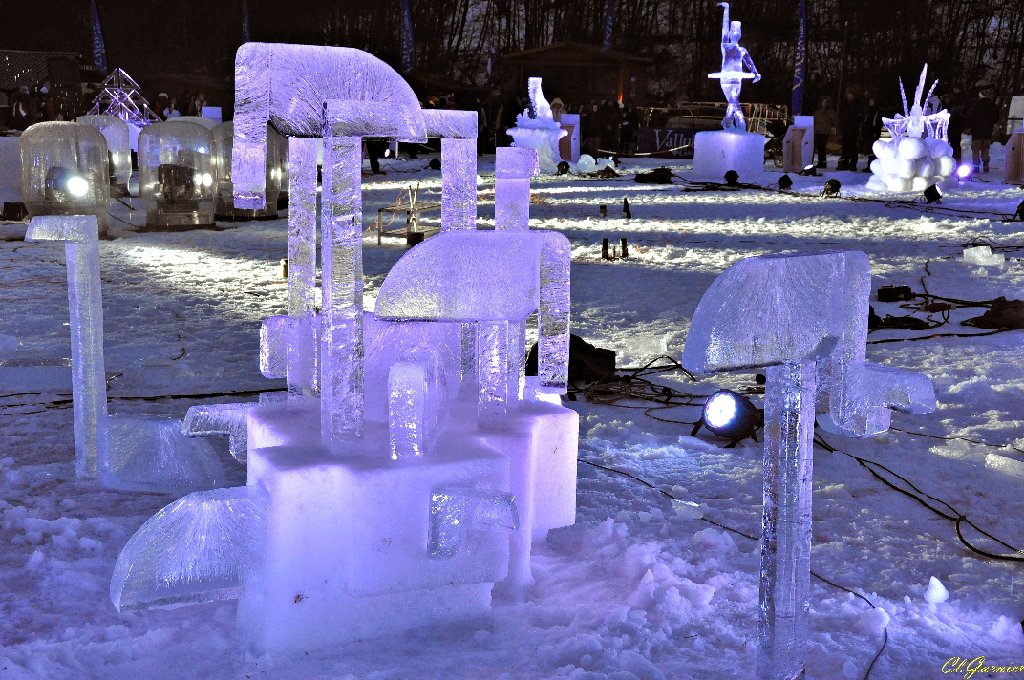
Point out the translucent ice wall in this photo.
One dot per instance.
(513, 168)
(458, 133)
(115, 131)
(288, 85)
(80, 234)
(303, 367)
(199, 548)
(454, 511)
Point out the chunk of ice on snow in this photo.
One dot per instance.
(983, 255)
(936, 592)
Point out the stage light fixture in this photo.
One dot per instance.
(785, 183)
(809, 171)
(732, 178)
(563, 168)
(730, 416)
(932, 194)
(964, 172)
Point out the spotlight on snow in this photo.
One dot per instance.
(77, 186)
(785, 183)
(964, 172)
(832, 189)
(809, 171)
(730, 416)
(563, 168)
(932, 194)
(732, 178)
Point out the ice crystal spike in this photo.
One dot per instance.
(150, 453)
(455, 511)
(200, 548)
(288, 86)
(81, 236)
(219, 419)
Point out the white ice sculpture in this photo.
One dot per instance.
(803, 319)
(539, 131)
(389, 499)
(733, 148)
(918, 154)
(513, 168)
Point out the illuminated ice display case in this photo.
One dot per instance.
(225, 209)
(177, 175)
(119, 152)
(64, 170)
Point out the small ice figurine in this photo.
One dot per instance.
(732, 75)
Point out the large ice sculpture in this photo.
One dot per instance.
(224, 207)
(115, 131)
(150, 453)
(733, 148)
(391, 497)
(80, 234)
(804, 319)
(918, 154)
(540, 130)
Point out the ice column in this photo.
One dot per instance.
(81, 236)
(553, 318)
(458, 133)
(341, 336)
(786, 521)
(457, 510)
(303, 369)
(492, 367)
(513, 168)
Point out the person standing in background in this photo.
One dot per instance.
(825, 123)
(981, 119)
(870, 129)
(851, 117)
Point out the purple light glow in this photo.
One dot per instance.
(963, 171)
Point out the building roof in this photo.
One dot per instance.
(570, 52)
(19, 68)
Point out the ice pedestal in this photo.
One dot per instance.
(716, 152)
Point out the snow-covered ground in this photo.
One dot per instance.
(640, 587)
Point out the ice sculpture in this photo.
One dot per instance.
(808, 330)
(200, 548)
(224, 207)
(79, 232)
(733, 148)
(390, 499)
(918, 154)
(115, 131)
(513, 168)
(732, 75)
(150, 453)
(540, 130)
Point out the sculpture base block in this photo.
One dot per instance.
(716, 152)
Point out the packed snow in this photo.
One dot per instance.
(658, 578)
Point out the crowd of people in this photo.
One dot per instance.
(858, 123)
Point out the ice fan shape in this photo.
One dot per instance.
(199, 548)
(803, 318)
(287, 86)
(918, 154)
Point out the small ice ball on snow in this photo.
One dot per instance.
(936, 592)
(873, 620)
(586, 164)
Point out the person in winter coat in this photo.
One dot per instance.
(825, 123)
(981, 119)
(870, 130)
(851, 116)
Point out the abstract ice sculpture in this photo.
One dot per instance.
(392, 476)
(918, 154)
(733, 148)
(807, 330)
(537, 129)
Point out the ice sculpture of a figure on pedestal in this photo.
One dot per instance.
(808, 332)
(918, 154)
(536, 128)
(732, 75)
(732, 148)
(412, 463)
